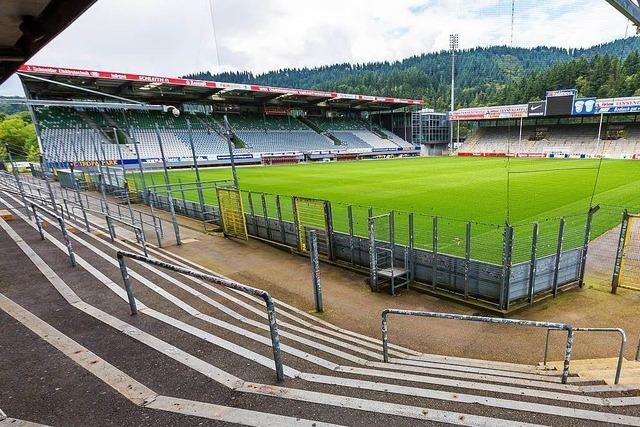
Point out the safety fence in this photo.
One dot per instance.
(501, 267)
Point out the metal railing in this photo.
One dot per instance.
(271, 308)
(623, 343)
(497, 320)
(101, 212)
(75, 206)
(63, 227)
(137, 230)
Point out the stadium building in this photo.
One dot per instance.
(90, 115)
(562, 125)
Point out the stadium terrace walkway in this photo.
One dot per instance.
(197, 353)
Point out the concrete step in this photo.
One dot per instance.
(333, 388)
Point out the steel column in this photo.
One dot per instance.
(556, 268)
(315, 270)
(533, 263)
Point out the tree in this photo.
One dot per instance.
(18, 134)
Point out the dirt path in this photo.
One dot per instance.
(350, 304)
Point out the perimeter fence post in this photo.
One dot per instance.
(351, 239)
(373, 256)
(467, 259)
(315, 270)
(411, 245)
(506, 266)
(265, 215)
(533, 263)
(184, 199)
(624, 225)
(283, 236)
(434, 265)
(585, 246)
(556, 268)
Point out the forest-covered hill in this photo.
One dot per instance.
(487, 75)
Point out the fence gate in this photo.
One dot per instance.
(384, 266)
(231, 213)
(627, 269)
(313, 214)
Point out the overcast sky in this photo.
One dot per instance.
(172, 38)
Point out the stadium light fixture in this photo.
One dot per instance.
(453, 47)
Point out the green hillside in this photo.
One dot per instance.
(482, 73)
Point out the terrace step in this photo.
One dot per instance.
(578, 365)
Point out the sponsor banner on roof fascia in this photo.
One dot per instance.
(583, 106)
(487, 113)
(205, 83)
(562, 92)
(618, 105)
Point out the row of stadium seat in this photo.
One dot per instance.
(558, 139)
(278, 141)
(258, 133)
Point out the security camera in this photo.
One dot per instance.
(171, 109)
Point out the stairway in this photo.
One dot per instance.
(200, 350)
(603, 369)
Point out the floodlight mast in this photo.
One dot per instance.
(453, 47)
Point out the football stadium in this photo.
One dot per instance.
(182, 250)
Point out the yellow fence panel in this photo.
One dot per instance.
(232, 213)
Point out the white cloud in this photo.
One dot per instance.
(165, 37)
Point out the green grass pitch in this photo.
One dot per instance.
(453, 188)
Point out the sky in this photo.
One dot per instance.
(172, 38)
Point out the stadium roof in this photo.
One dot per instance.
(27, 25)
(170, 90)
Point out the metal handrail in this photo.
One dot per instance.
(102, 212)
(271, 308)
(638, 351)
(623, 343)
(498, 320)
(63, 228)
(135, 211)
(75, 206)
(137, 230)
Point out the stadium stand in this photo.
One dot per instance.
(399, 141)
(618, 140)
(354, 134)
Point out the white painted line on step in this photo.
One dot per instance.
(355, 370)
(332, 329)
(235, 383)
(131, 389)
(106, 372)
(14, 422)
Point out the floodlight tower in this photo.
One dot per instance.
(453, 47)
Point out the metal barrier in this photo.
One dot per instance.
(638, 351)
(32, 197)
(156, 224)
(271, 308)
(137, 230)
(75, 206)
(63, 227)
(623, 344)
(498, 320)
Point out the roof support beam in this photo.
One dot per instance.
(628, 8)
